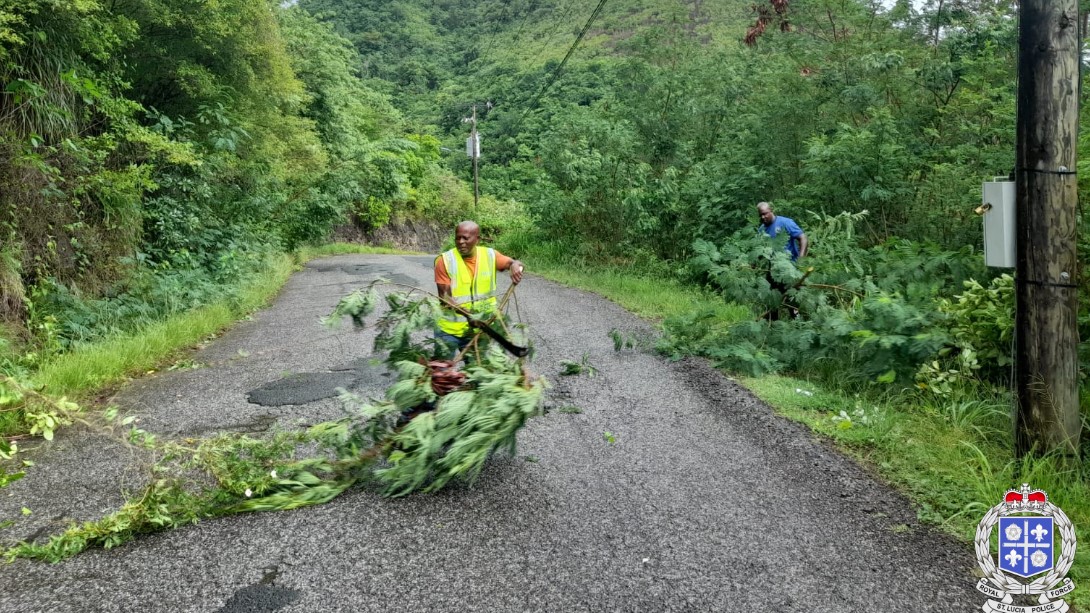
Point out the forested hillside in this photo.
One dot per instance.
(664, 117)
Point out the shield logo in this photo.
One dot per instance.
(1025, 545)
(1036, 549)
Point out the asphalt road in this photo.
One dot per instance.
(704, 501)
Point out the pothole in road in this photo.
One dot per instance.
(261, 597)
(370, 270)
(300, 389)
(309, 387)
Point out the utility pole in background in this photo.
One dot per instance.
(473, 150)
(1046, 336)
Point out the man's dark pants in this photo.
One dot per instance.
(453, 343)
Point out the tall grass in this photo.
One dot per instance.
(91, 366)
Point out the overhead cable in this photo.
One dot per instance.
(560, 68)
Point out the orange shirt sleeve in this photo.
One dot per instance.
(441, 275)
(502, 261)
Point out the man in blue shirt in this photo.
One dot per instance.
(797, 244)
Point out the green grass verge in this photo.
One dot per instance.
(87, 368)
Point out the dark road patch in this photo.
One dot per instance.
(300, 389)
(262, 597)
(370, 270)
(309, 387)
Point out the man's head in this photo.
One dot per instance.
(764, 210)
(466, 236)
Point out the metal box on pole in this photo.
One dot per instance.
(998, 211)
(473, 146)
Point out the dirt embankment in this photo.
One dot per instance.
(423, 236)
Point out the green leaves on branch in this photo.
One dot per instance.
(455, 439)
(583, 366)
(444, 438)
(43, 414)
(357, 305)
(414, 440)
(405, 316)
(883, 312)
(981, 324)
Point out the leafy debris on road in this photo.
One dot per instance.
(582, 367)
(419, 438)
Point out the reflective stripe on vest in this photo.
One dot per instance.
(475, 293)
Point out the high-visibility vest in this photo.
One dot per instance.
(475, 293)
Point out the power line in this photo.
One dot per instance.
(560, 68)
(523, 20)
(496, 30)
(556, 28)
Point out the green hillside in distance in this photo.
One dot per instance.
(428, 54)
(546, 31)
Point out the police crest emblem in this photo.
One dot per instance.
(1036, 547)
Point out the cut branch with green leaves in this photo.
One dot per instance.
(414, 440)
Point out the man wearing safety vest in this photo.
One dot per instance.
(466, 276)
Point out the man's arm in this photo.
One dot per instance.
(445, 296)
(442, 283)
(516, 269)
(514, 266)
(796, 234)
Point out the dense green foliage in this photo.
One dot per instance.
(152, 154)
(871, 313)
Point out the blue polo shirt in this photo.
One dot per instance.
(793, 230)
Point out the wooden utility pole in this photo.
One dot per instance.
(1046, 357)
